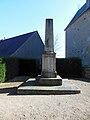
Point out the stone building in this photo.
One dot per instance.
(22, 54)
(78, 35)
(26, 46)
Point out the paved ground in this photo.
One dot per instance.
(44, 107)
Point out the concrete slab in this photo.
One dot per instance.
(31, 87)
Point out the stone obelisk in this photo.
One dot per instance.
(49, 74)
(49, 56)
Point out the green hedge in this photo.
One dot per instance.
(2, 71)
(69, 67)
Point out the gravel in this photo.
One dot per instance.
(47, 107)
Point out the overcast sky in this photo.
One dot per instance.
(22, 16)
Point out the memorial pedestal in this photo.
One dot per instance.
(42, 81)
(49, 75)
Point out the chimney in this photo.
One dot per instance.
(88, 3)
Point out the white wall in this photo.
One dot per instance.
(78, 39)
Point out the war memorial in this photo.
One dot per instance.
(48, 82)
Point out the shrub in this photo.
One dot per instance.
(2, 71)
(69, 67)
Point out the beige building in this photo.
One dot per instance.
(78, 35)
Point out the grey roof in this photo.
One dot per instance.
(28, 45)
(84, 8)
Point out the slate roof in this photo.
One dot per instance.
(8, 47)
(83, 9)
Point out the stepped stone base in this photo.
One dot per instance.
(49, 81)
(31, 87)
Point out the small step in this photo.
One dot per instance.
(31, 87)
